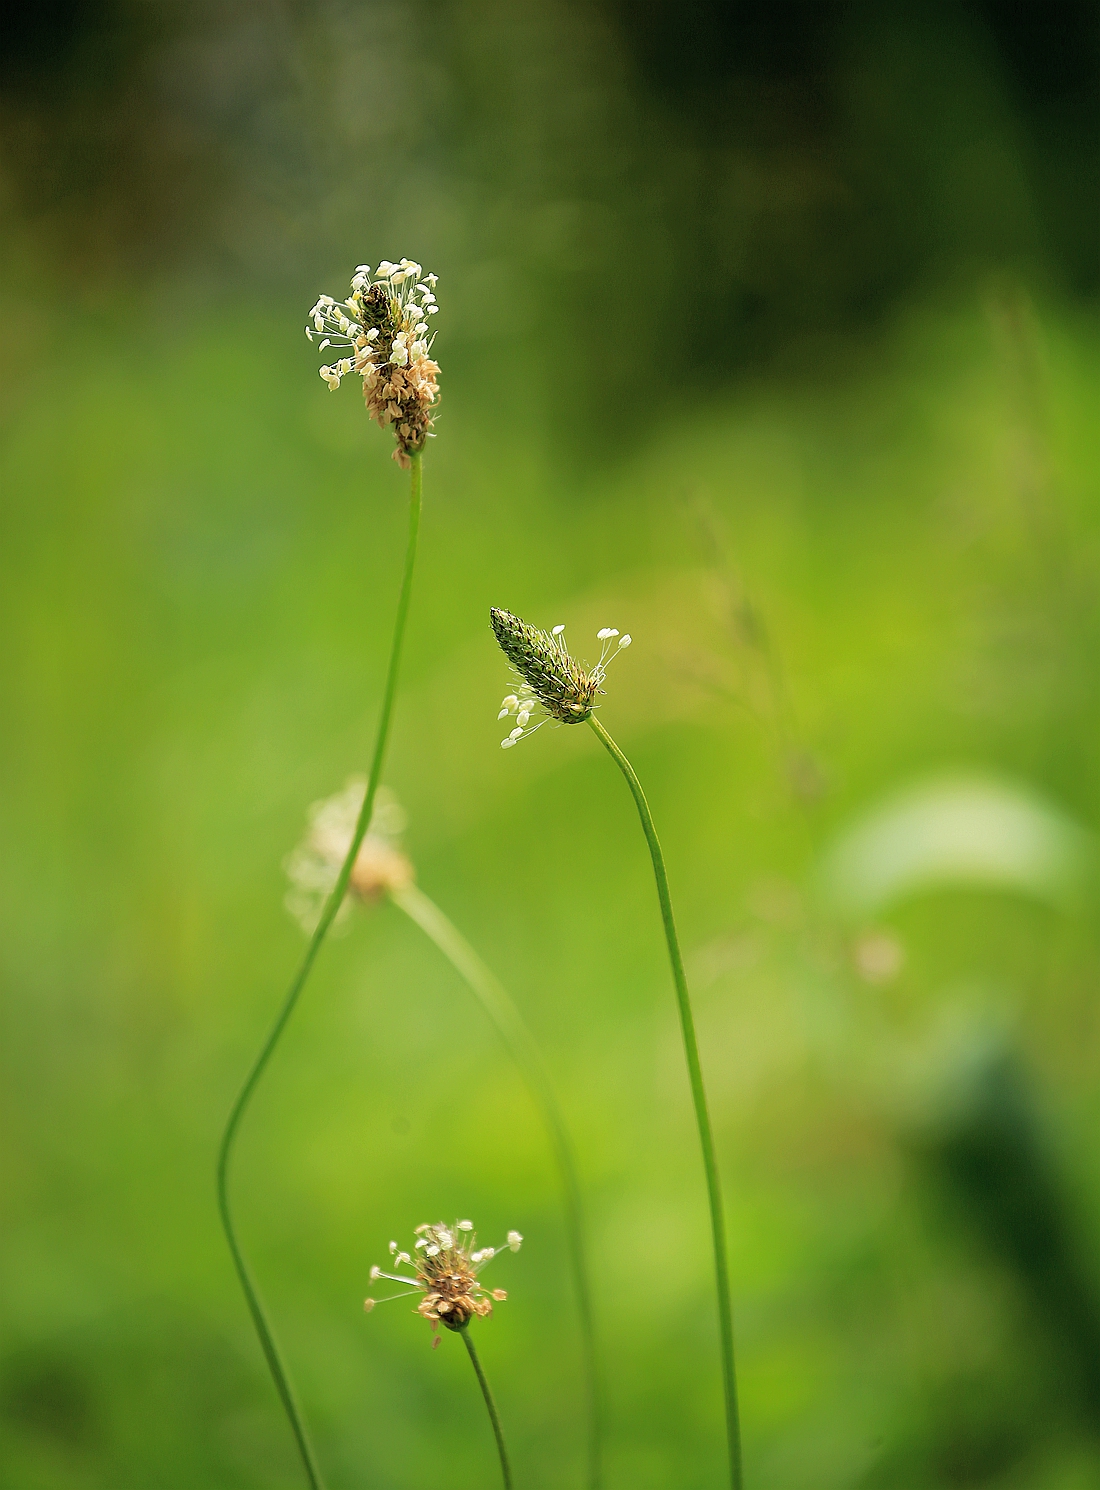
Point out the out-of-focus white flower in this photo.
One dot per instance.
(313, 867)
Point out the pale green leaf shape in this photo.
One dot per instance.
(961, 831)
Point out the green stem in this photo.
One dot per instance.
(328, 913)
(498, 1431)
(699, 1096)
(521, 1045)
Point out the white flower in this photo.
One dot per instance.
(313, 867)
(447, 1266)
(381, 330)
(574, 686)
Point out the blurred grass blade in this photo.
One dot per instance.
(328, 915)
(974, 831)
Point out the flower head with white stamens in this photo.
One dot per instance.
(555, 685)
(314, 866)
(381, 332)
(445, 1263)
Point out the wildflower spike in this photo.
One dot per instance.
(382, 330)
(553, 680)
(380, 866)
(447, 1265)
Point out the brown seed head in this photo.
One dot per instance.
(447, 1262)
(382, 328)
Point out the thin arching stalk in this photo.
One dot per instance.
(699, 1097)
(520, 1043)
(328, 913)
(494, 1416)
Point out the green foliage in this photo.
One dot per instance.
(836, 587)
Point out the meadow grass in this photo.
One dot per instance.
(198, 559)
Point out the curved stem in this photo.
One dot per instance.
(520, 1044)
(328, 913)
(498, 1431)
(699, 1097)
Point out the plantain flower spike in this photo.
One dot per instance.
(445, 1262)
(381, 332)
(314, 866)
(555, 685)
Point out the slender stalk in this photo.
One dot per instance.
(521, 1046)
(328, 913)
(494, 1418)
(699, 1097)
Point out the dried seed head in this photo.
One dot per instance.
(382, 330)
(553, 681)
(313, 867)
(447, 1264)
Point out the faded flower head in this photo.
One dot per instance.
(446, 1261)
(555, 685)
(381, 332)
(313, 867)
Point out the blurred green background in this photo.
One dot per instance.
(769, 334)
